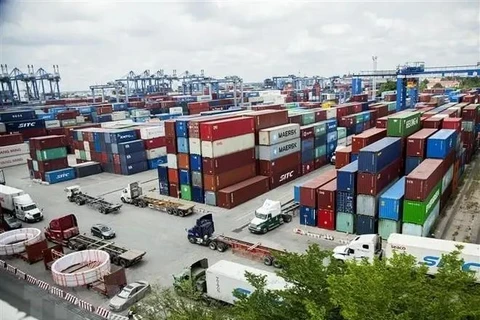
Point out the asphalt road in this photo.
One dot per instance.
(20, 300)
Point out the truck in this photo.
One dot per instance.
(75, 194)
(427, 251)
(64, 231)
(19, 204)
(271, 215)
(203, 233)
(133, 194)
(222, 279)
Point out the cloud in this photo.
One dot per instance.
(100, 41)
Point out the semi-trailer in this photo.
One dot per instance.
(18, 203)
(75, 194)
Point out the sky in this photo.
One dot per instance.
(99, 41)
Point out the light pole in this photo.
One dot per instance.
(374, 84)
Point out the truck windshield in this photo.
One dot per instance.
(29, 207)
(260, 215)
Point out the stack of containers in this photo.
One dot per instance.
(307, 135)
(171, 145)
(332, 137)
(346, 197)
(49, 159)
(366, 138)
(286, 166)
(320, 143)
(68, 118)
(342, 136)
(102, 113)
(390, 209)
(343, 157)
(378, 165)
(12, 150)
(155, 147)
(308, 197)
(140, 115)
(471, 128)
(416, 149)
(24, 122)
(326, 205)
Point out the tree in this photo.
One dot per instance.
(387, 86)
(437, 85)
(469, 83)
(423, 85)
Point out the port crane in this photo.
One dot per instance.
(147, 82)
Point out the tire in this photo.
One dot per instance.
(287, 218)
(169, 211)
(264, 230)
(268, 261)
(175, 212)
(123, 200)
(276, 264)
(212, 245)
(102, 210)
(123, 263)
(70, 246)
(135, 204)
(115, 260)
(142, 204)
(221, 247)
(78, 202)
(181, 213)
(192, 240)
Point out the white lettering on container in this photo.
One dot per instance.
(411, 123)
(286, 176)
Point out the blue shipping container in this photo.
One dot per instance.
(353, 157)
(181, 128)
(163, 173)
(163, 188)
(197, 195)
(331, 125)
(411, 163)
(366, 116)
(332, 136)
(308, 155)
(120, 136)
(101, 118)
(46, 116)
(60, 175)
(346, 202)
(331, 147)
(366, 224)
(120, 106)
(134, 157)
(321, 140)
(373, 158)
(128, 147)
(308, 144)
(359, 128)
(6, 116)
(24, 125)
(390, 203)
(185, 177)
(196, 162)
(134, 168)
(296, 193)
(182, 145)
(308, 216)
(441, 143)
(85, 110)
(154, 163)
(347, 177)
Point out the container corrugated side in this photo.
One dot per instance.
(279, 134)
(391, 201)
(279, 150)
(422, 230)
(416, 212)
(227, 146)
(378, 155)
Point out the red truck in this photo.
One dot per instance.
(64, 231)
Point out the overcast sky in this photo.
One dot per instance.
(99, 41)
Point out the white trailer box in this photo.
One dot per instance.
(6, 196)
(224, 277)
(429, 251)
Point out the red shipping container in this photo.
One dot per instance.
(30, 133)
(9, 139)
(452, 113)
(171, 144)
(269, 168)
(39, 175)
(417, 142)
(320, 162)
(226, 128)
(228, 162)
(357, 108)
(242, 192)
(198, 105)
(155, 143)
(320, 115)
(308, 167)
(228, 178)
(373, 184)
(170, 129)
(342, 157)
(382, 123)
(268, 118)
(51, 165)
(433, 123)
(194, 124)
(308, 191)
(469, 113)
(297, 118)
(183, 160)
(56, 131)
(421, 181)
(347, 121)
(452, 123)
(326, 219)
(285, 176)
(48, 142)
(445, 197)
(307, 132)
(366, 138)
(105, 109)
(103, 157)
(173, 176)
(173, 190)
(67, 114)
(326, 197)
(468, 137)
(382, 110)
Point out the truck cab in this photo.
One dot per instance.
(131, 192)
(366, 246)
(194, 275)
(26, 210)
(61, 229)
(268, 217)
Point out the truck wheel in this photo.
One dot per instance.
(276, 264)
(142, 204)
(221, 247)
(78, 202)
(102, 210)
(267, 261)
(169, 211)
(115, 260)
(123, 200)
(181, 213)
(192, 240)
(123, 263)
(175, 212)
(71, 246)
(212, 245)
(287, 218)
(264, 230)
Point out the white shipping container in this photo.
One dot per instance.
(224, 277)
(203, 98)
(152, 132)
(174, 110)
(119, 115)
(68, 122)
(269, 93)
(227, 146)
(156, 153)
(80, 119)
(195, 146)
(172, 161)
(88, 155)
(14, 150)
(2, 127)
(86, 146)
(440, 116)
(367, 205)
(7, 194)
(349, 140)
(119, 123)
(279, 134)
(52, 124)
(447, 178)
(139, 113)
(331, 113)
(422, 230)
(77, 154)
(342, 142)
(279, 150)
(14, 160)
(255, 99)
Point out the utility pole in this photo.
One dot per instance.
(374, 82)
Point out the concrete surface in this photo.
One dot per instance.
(162, 236)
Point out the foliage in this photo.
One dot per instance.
(437, 85)
(387, 86)
(423, 85)
(469, 83)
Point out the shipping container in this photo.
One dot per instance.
(447, 179)
(420, 182)
(186, 192)
(440, 144)
(239, 193)
(14, 150)
(285, 176)
(268, 118)
(183, 161)
(162, 171)
(308, 216)
(433, 123)
(403, 124)
(172, 161)
(347, 177)
(308, 191)
(366, 224)
(366, 138)
(184, 176)
(345, 222)
(174, 190)
(13, 160)
(183, 145)
(50, 154)
(411, 163)
(416, 212)
(367, 205)
(59, 175)
(387, 227)
(417, 142)
(121, 136)
(375, 157)
(23, 125)
(226, 128)
(50, 165)
(17, 115)
(229, 162)
(326, 197)
(196, 162)
(153, 132)
(128, 147)
(373, 183)
(210, 198)
(173, 176)
(278, 134)
(326, 219)
(346, 202)
(227, 146)
(10, 139)
(197, 179)
(228, 178)
(269, 168)
(343, 157)
(279, 150)
(422, 230)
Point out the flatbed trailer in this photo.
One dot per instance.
(74, 194)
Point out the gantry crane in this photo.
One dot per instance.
(146, 82)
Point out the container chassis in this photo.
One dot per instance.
(74, 194)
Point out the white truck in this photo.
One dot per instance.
(427, 251)
(222, 279)
(18, 203)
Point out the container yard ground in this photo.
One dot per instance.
(161, 235)
(461, 221)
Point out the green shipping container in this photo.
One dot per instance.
(417, 211)
(83, 155)
(320, 151)
(391, 105)
(320, 129)
(359, 118)
(186, 192)
(291, 105)
(387, 227)
(342, 132)
(308, 118)
(403, 124)
(345, 222)
(51, 154)
(468, 126)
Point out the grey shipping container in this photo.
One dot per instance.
(367, 205)
(279, 134)
(279, 150)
